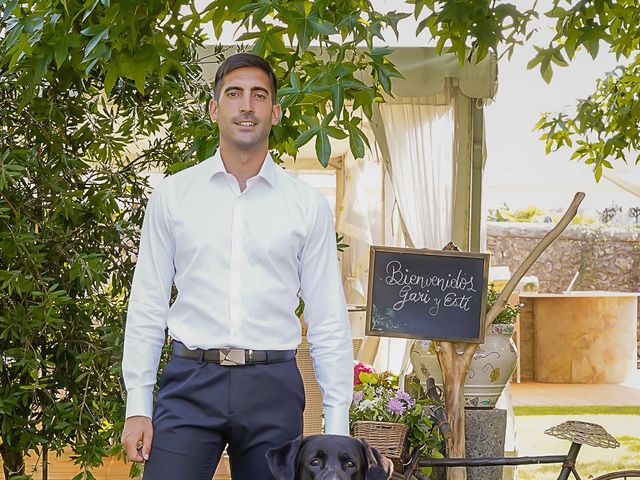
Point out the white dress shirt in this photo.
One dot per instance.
(238, 260)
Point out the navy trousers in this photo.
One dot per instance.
(203, 407)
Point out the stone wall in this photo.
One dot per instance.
(604, 258)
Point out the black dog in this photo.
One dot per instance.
(328, 457)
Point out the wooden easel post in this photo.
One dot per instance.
(455, 358)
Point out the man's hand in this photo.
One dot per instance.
(136, 438)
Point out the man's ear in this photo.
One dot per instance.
(276, 114)
(213, 110)
(377, 467)
(283, 460)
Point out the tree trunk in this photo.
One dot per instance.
(455, 365)
(12, 461)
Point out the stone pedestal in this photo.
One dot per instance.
(484, 437)
(484, 433)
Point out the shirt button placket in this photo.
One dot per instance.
(235, 287)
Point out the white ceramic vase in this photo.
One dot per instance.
(491, 368)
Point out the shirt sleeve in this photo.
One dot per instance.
(148, 305)
(325, 314)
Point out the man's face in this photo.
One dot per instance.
(245, 111)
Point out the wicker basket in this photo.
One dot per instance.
(390, 439)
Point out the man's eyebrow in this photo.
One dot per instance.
(253, 89)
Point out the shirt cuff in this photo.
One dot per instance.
(140, 402)
(336, 420)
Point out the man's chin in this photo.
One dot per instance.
(249, 144)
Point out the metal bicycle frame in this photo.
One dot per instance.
(568, 461)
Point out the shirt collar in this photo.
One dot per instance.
(267, 171)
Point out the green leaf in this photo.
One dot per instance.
(111, 77)
(89, 7)
(598, 172)
(321, 26)
(305, 136)
(323, 147)
(9, 7)
(593, 45)
(61, 51)
(334, 132)
(295, 82)
(337, 94)
(101, 35)
(546, 71)
(356, 144)
(558, 58)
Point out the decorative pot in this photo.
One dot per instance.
(491, 368)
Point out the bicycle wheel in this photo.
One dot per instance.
(621, 474)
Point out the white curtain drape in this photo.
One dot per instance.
(420, 132)
(359, 220)
(421, 168)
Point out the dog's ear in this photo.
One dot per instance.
(377, 466)
(283, 460)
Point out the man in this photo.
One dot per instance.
(239, 238)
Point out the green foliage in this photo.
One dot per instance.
(504, 214)
(92, 93)
(604, 126)
(580, 220)
(509, 312)
(473, 28)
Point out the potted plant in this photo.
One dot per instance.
(493, 362)
(396, 423)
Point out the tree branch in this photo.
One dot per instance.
(532, 257)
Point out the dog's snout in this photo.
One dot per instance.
(334, 474)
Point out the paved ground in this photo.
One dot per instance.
(553, 394)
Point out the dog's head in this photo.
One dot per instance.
(328, 457)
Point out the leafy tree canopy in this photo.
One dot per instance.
(93, 92)
(604, 126)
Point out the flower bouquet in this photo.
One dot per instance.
(397, 424)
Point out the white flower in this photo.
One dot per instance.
(366, 405)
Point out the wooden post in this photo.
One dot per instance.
(455, 358)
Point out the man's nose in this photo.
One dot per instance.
(247, 104)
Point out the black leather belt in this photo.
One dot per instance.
(233, 356)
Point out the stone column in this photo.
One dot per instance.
(484, 433)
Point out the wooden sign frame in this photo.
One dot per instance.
(444, 302)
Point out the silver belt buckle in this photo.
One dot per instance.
(232, 356)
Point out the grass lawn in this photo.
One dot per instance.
(571, 410)
(621, 422)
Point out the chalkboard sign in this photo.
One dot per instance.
(427, 294)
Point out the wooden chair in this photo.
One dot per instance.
(364, 350)
(368, 350)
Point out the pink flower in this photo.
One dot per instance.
(358, 369)
(406, 398)
(395, 406)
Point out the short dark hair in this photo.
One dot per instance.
(242, 60)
